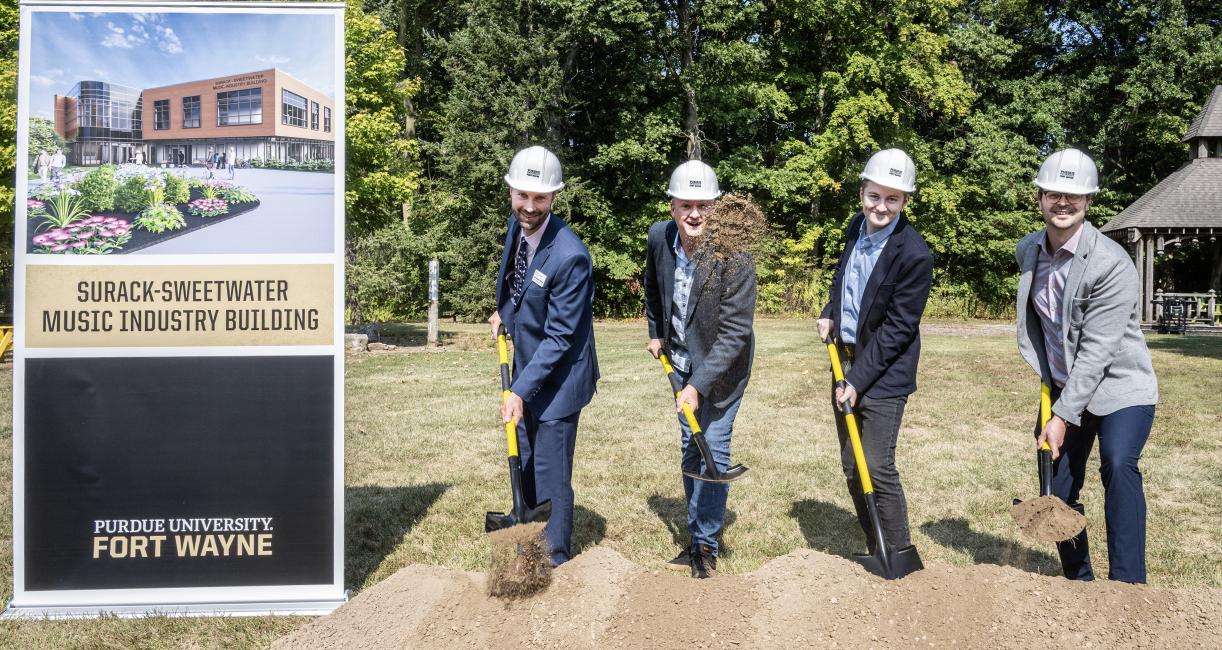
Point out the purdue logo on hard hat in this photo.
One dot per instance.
(1065, 173)
(694, 184)
(534, 173)
(896, 172)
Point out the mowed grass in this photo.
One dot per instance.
(424, 460)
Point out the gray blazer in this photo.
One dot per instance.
(1109, 364)
(720, 313)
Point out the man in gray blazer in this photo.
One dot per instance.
(700, 309)
(1079, 327)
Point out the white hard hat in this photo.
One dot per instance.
(535, 169)
(891, 168)
(1068, 171)
(693, 181)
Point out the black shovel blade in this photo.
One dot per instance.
(891, 564)
(713, 476)
(500, 520)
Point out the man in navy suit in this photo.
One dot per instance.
(700, 308)
(545, 300)
(877, 297)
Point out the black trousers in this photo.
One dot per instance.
(879, 428)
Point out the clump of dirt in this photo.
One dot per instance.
(1047, 519)
(803, 599)
(735, 227)
(521, 561)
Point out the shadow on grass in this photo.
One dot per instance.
(1209, 347)
(829, 528)
(589, 528)
(673, 512)
(985, 548)
(376, 519)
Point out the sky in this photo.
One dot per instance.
(146, 50)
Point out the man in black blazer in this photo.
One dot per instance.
(700, 310)
(877, 297)
(545, 300)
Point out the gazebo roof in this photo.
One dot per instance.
(1189, 198)
(1209, 123)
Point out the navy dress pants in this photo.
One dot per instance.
(1122, 436)
(546, 450)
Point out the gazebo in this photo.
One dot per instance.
(1185, 207)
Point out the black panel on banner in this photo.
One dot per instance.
(208, 446)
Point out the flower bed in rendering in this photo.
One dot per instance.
(120, 209)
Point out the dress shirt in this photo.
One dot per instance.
(685, 272)
(866, 252)
(1047, 292)
(534, 240)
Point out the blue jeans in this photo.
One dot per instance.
(706, 502)
(1122, 436)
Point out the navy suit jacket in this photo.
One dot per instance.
(889, 326)
(720, 311)
(552, 326)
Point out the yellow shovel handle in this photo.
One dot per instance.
(687, 410)
(1045, 410)
(511, 427)
(850, 423)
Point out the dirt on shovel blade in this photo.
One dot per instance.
(1047, 519)
(521, 561)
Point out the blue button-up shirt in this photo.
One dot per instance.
(857, 274)
(685, 272)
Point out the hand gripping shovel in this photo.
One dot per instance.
(520, 514)
(884, 561)
(1046, 517)
(711, 474)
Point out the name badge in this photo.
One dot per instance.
(539, 278)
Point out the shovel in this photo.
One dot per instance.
(711, 474)
(520, 514)
(884, 561)
(1047, 517)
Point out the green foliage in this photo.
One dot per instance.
(63, 206)
(160, 218)
(43, 137)
(320, 165)
(130, 197)
(236, 194)
(177, 189)
(389, 272)
(98, 189)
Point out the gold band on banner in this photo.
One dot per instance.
(177, 306)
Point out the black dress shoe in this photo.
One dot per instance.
(681, 562)
(703, 562)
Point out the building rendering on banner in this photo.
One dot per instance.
(265, 115)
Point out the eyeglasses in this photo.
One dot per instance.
(1057, 197)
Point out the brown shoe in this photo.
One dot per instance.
(703, 562)
(681, 562)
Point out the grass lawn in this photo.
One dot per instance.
(425, 460)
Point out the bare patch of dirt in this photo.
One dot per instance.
(1047, 519)
(803, 599)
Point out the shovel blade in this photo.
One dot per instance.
(713, 476)
(891, 564)
(501, 520)
(540, 513)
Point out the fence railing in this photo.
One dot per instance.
(1195, 307)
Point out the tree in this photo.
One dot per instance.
(42, 137)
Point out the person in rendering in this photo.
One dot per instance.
(700, 311)
(233, 156)
(58, 162)
(878, 294)
(1079, 328)
(43, 164)
(545, 300)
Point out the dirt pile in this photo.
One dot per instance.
(1047, 519)
(804, 599)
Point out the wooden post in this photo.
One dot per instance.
(434, 267)
(1148, 279)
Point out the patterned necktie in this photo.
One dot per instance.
(519, 271)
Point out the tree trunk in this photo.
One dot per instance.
(691, 121)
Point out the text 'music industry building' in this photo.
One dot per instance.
(266, 114)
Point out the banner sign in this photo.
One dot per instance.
(178, 309)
